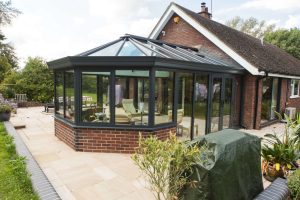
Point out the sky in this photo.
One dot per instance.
(57, 28)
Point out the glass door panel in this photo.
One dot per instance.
(200, 107)
(216, 104)
(184, 108)
(274, 98)
(227, 103)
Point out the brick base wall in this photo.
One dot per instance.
(104, 140)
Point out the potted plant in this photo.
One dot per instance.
(294, 184)
(5, 111)
(280, 152)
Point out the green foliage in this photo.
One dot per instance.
(36, 81)
(5, 108)
(294, 184)
(8, 59)
(288, 40)
(167, 165)
(15, 183)
(281, 149)
(251, 26)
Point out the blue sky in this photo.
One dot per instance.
(57, 28)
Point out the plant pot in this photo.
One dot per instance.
(4, 116)
(271, 173)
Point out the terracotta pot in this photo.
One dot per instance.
(4, 117)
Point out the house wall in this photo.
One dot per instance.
(292, 102)
(184, 34)
(105, 140)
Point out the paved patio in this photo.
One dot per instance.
(77, 175)
(82, 176)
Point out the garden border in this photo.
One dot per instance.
(40, 182)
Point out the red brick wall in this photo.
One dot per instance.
(184, 34)
(104, 140)
(65, 133)
(292, 102)
(249, 101)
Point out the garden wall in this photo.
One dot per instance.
(104, 140)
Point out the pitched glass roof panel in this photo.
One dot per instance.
(108, 51)
(128, 49)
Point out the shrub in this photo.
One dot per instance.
(5, 108)
(167, 165)
(294, 184)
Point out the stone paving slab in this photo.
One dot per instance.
(79, 175)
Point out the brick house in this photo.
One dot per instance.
(264, 63)
(191, 77)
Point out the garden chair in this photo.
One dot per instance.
(129, 108)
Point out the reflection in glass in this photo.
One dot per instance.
(163, 97)
(227, 103)
(216, 99)
(95, 93)
(201, 90)
(59, 101)
(69, 98)
(185, 101)
(129, 49)
(108, 51)
(132, 97)
(269, 99)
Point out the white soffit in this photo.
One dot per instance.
(174, 9)
(283, 76)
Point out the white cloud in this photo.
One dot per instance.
(270, 5)
(293, 21)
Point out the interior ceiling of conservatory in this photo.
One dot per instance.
(130, 45)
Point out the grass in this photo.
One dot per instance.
(15, 183)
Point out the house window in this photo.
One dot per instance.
(294, 88)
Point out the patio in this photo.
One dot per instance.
(78, 175)
(81, 175)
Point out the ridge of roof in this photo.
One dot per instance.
(267, 57)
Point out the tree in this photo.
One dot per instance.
(251, 26)
(36, 81)
(8, 59)
(288, 40)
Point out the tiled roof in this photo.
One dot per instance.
(266, 57)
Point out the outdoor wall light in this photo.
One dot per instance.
(176, 19)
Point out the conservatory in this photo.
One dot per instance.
(106, 96)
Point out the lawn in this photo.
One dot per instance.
(15, 183)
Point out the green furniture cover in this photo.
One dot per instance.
(233, 170)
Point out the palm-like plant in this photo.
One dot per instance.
(280, 152)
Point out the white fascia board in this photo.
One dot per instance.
(283, 76)
(174, 9)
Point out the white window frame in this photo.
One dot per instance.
(293, 95)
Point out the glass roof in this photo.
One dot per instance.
(130, 45)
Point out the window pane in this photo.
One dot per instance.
(296, 88)
(216, 99)
(59, 101)
(129, 49)
(201, 88)
(269, 99)
(108, 51)
(95, 97)
(163, 97)
(185, 101)
(227, 103)
(132, 97)
(69, 98)
(274, 98)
